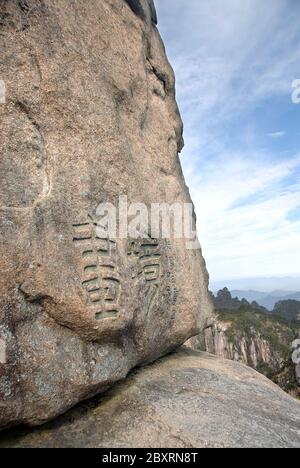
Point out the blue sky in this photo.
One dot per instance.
(235, 61)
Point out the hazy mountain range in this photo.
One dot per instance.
(264, 285)
(265, 291)
(267, 300)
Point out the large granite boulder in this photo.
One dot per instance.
(87, 113)
(187, 400)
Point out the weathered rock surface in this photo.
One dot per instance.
(258, 340)
(90, 114)
(187, 400)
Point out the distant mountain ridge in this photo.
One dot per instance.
(224, 300)
(289, 309)
(286, 284)
(267, 300)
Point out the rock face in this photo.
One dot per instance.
(250, 350)
(89, 115)
(296, 359)
(187, 400)
(257, 340)
(143, 9)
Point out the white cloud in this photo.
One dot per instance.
(221, 49)
(243, 223)
(276, 134)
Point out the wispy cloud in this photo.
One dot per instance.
(244, 219)
(276, 134)
(234, 61)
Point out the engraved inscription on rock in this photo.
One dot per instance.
(148, 255)
(100, 277)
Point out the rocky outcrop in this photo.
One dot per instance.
(224, 300)
(187, 400)
(251, 350)
(143, 9)
(296, 358)
(89, 115)
(256, 340)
